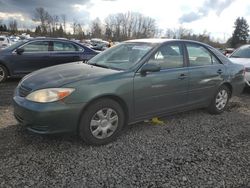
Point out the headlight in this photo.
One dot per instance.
(49, 95)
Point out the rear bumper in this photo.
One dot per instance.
(238, 84)
(50, 118)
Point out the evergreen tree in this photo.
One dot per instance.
(38, 30)
(5, 28)
(60, 31)
(240, 33)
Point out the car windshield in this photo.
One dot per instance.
(243, 52)
(122, 56)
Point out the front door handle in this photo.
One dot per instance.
(219, 71)
(182, 76)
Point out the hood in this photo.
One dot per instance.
(242, 61)
(60, 75)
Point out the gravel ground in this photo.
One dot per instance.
(192, 149)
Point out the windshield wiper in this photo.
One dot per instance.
(98, 65)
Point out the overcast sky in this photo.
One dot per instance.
(213, 16)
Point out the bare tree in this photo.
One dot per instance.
(77, 30)
(96, 28)
(13, 26)
(64, 18)
(42, 16)
(123, 26)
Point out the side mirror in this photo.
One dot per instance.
(19, 51)
(150, 68)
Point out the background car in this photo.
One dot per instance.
(228, 51)
(99, 44)
(130, 82)
(14, 39)
(30, 55)
(4, 42)
(242, 56)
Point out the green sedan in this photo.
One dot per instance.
(130, 82)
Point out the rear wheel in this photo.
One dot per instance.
(101, 122)
(3, 73)
(220, 101)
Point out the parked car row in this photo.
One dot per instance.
(130, 82)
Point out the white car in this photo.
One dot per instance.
(4, 42)
(242, 56)
(14, 39)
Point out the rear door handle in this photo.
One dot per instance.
(219, 71)
(182, 76)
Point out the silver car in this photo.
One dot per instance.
(242, 56)
(4, 42)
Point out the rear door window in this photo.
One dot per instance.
(65, 47)
(200, 56)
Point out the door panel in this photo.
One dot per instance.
(29, 62)
(165, 90)
(36, 55)
(203, 83)
(65, 52)
(206, 73)
(160, 91)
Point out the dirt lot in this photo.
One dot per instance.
(192, 149)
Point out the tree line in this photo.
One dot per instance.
(120, 27)
(12, 27)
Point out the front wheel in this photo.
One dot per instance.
(101, 122)
(3, 73)
(220, 101)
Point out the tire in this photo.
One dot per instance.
(3, 73)
(101, 122)
(220, 100)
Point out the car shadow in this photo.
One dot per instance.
(246, 91)
(16, 136)
(7, 90)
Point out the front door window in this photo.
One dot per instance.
(38, 46)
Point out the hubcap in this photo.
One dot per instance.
(221, 99)
(104, 123)
(2, 74)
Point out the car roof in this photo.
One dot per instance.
(47, 38)
(150, 40)
(244, 46)
(163, 40)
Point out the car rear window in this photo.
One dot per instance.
(243, 52)
(65, 47)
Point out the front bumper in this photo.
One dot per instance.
(47, 118)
